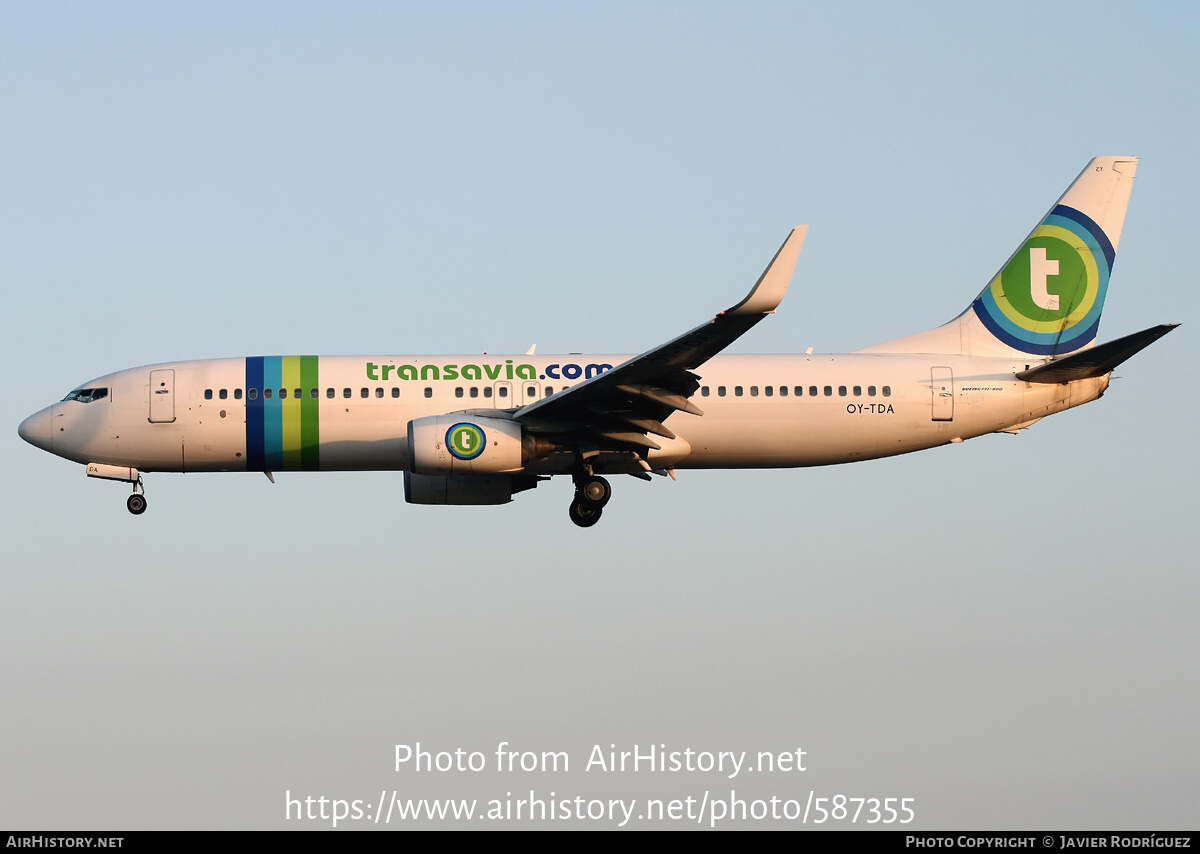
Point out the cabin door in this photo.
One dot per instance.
(943, 393)
(162, 397)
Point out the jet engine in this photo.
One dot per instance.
(464, 445)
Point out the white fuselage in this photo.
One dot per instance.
(481, 429)
(352, 412)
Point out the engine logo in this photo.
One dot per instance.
(465, 441)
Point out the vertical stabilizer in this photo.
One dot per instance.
(1047, 298)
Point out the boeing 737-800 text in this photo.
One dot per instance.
(479, 429)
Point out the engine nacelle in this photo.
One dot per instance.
(468, 489)
(464, 445)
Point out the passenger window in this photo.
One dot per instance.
(887, 391)
(487, 391)
(502, 391)
(346, 392)
(252, 393)
(870, 391)
(720, 391)
(783, 391)
(208, 394)
(366, 392)
(379, 391)
(474, 391)
(329, 393)
(841, 391)
(737, 391)
(812, 390)
(299, 393)
(283, 394)
(549, 390)
(829, 391)
(769, 390)
(754, 391)
(396, 391)
(223, 394)
(237, 394)
(858, 391)
(531, 391)
(266, 394)
(428, 391)
(458, 392)
(704, 391)
(314, 393)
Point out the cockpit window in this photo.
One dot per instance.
(87, 395)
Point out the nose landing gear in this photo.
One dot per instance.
(137, 502)
(591, 494)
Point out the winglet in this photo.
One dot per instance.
(768, 291)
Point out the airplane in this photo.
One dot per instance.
(478, 429)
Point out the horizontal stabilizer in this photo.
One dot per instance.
(1095, 361)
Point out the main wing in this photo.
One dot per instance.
(610, 418)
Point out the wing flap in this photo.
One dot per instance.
(625, 437)
(628, 419)
(662, 397)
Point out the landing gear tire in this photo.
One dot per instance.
(136, 504)
(584, 515)
(594, 491)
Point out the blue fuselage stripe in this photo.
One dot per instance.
(272, 413)
(255, 452)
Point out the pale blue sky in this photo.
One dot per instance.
(1005, 630)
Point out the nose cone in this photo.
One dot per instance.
(36, 430)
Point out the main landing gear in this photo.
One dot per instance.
(591, 494)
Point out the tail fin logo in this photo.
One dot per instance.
(1048, 298)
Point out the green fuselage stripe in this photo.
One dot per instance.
(310, 422)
